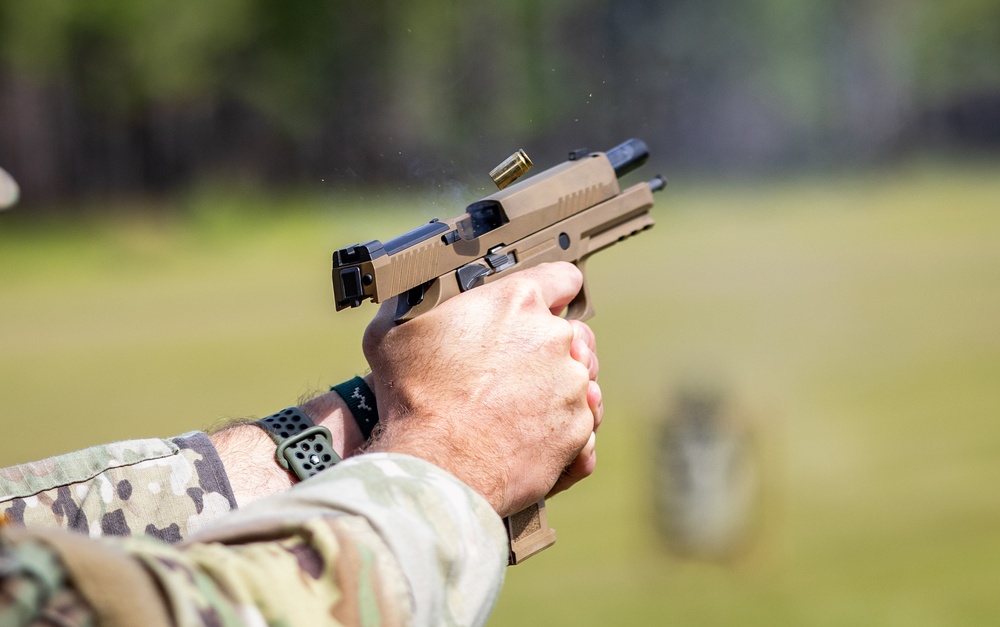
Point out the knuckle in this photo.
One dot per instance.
(523, 293)
(562, 332)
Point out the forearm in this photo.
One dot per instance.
(385, 539)
(447, 541)
(161, 487)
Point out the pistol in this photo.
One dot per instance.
(565, 213)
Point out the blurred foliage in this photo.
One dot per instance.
(112, 96)
(959, 46)
(124, 55)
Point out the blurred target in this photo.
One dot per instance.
(707, 476)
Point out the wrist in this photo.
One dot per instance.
(329, 410)
(350, 425)
(475, 466)
(248, 452)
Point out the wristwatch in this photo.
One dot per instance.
(303, 448)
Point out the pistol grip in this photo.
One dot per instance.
(528, 532)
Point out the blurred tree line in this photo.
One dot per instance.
(117, 96)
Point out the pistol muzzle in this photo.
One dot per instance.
(511, 169)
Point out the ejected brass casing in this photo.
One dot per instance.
(511, 169)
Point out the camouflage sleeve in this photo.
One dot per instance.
(166, 488)
(379, 539)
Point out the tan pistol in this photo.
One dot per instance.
(565, 213)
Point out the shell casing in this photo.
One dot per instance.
(511, 169)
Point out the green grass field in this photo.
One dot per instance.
(854, 320)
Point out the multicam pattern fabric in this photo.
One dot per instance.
(162, 488)
(34, 590)
(379, 539)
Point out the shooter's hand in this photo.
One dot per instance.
(492, 386)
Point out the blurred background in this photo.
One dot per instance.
(801, 362)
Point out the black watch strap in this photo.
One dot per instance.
(361, 401)
(303, 448)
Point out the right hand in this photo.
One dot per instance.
(493, 386)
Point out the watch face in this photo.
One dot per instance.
(706, 478)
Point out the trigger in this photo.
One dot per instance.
(580, 307)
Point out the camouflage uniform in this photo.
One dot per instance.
(378, 539)
(163, 488)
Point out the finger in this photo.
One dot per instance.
(385, 318)
(580, 468)
(559, 282)
(595, 401)
(376, 331)
(583, 348)
(585, 333)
